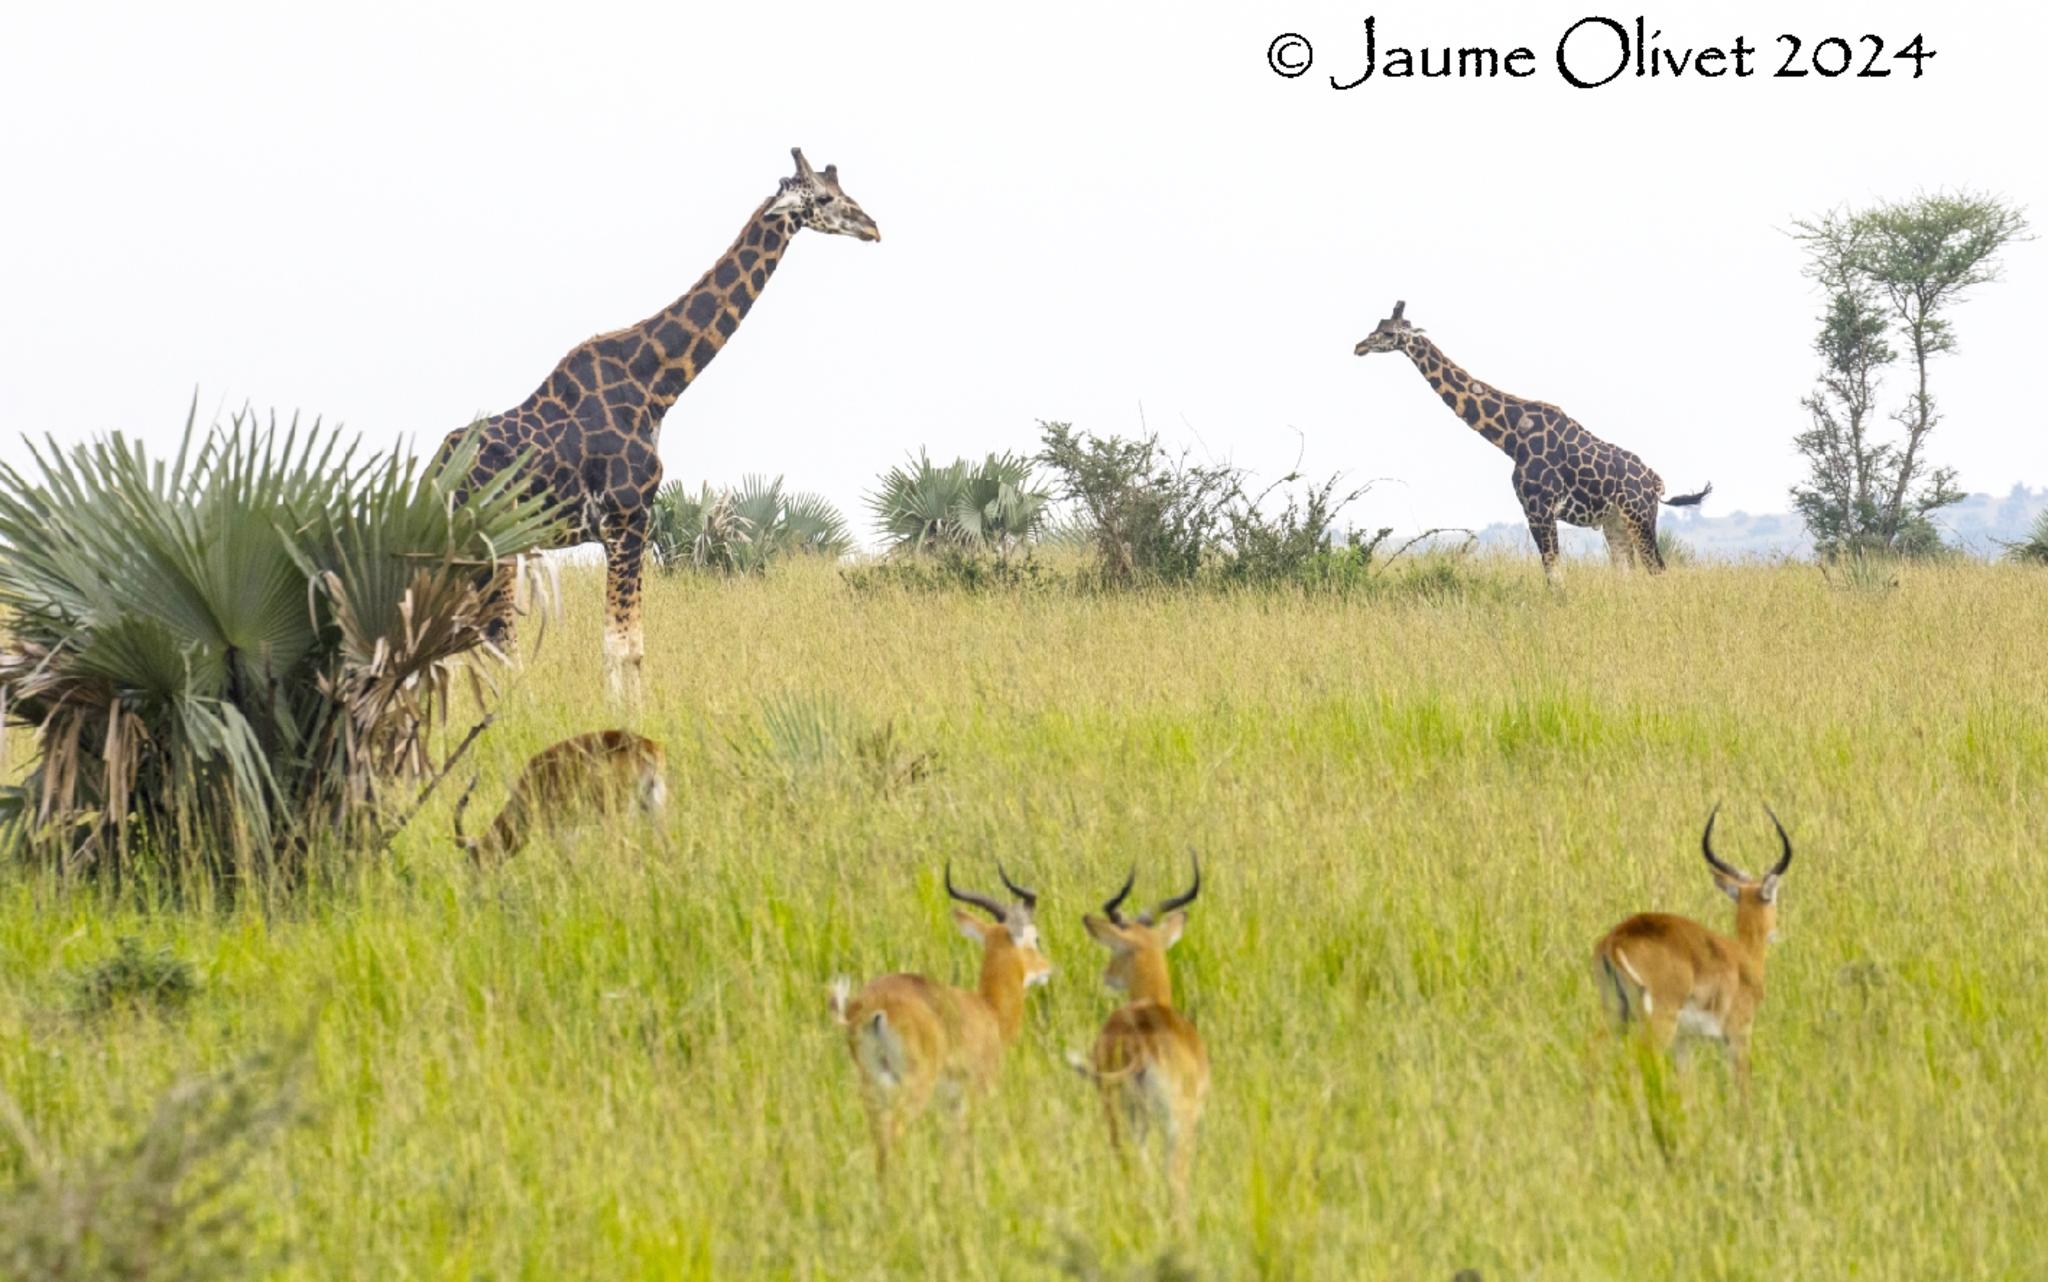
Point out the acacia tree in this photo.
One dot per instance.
(1902, 264)
(1847, 469)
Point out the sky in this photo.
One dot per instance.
(398, 216)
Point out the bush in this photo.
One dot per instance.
(229, 655)
(1150, 517)
(1674, 551)
(159, 979)
(802, 744)
(962, 507)
(2034, 548)
(743, 530)
(952, 569)
(166, 1206)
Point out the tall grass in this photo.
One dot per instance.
(1416, 812)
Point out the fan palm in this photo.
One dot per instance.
(919, 505)
(230, 651)
(743, 530)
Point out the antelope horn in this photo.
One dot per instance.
(1400, 307)
(983, 902)
(803, 167)
(1707, 849)
(1186, 897)
(1029, 898)
(1786, 861)
(1110, 906)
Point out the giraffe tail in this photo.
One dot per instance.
(1690, 500)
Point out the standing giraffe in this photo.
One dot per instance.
(1562, 471)
(594, 424)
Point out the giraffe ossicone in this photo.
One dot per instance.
(590, 432)
(1562, 471)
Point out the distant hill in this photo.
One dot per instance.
(1977, 525)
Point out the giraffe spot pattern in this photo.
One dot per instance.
(1562, 471)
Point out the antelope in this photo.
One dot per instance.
(602, 771)
(1680, 977)
(1148, 1062)
(910, 1035)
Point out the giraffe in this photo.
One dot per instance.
(1562, 471)
(593, 425)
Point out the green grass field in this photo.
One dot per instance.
(1417, 812)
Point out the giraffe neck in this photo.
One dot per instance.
(689, 332)
(1485, 409)
(640, 370)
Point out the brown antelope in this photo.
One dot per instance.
(910, 1035)
(1148, 1062)
(601, 772)
(1679, 977)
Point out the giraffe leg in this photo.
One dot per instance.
(1621, 540)
(501, 600)
(1645, 529)
(625, 548)
(1544, 530)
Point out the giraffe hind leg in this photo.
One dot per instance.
(1645, 530)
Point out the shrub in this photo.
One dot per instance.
(990, 507)
(2034, 548)
(167, 1206)
(743, 530)
(1151, 517)
(229, 653)
(159, 979)
(1674, 551)
(807, 743)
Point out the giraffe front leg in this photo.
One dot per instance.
(501, 606)
(625, 547)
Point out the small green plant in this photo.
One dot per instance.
(1865, 572)
(804, 743)
(159, 980)
(1674, 551)
(170, 1205)
(1082, 1262)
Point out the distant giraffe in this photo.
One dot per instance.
(594, 424)
(1562, 471)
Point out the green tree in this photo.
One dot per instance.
(1903, 264)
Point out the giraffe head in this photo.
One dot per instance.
(812, 198)
(1394, 334)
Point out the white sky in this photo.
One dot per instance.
(399, 215)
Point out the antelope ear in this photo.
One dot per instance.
(1729, 887)
(1104, 931)
(971, 926)
(1768, 891)
(1169, 929)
